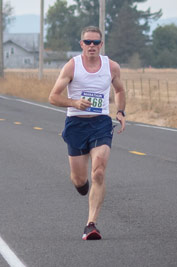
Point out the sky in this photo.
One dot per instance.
(21, 7)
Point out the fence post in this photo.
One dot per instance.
(159, 90)
(141, 82)
(167, 92)
(150, 98)
(133, 88)
(126, 86)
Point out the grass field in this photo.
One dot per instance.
(151, 93)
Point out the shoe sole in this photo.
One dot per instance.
(94, 235)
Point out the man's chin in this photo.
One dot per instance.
(92, 54)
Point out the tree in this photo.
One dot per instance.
(88, 12)
(128, 36)
(126, 27)
(7, 14)
(1, 41)
(164, 46)
(61, 27)
(65, 23)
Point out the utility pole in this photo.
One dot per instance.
(41, 49)
(1, 40)
(102, 23)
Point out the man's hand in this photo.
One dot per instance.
(121, 119)
(81, 104)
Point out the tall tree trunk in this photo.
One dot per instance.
(41, 48)
(1, 41)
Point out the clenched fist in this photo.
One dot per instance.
(82, 104)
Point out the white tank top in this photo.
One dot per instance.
(94, 87)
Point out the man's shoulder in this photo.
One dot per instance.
(69, 65)
(114, 66)
(68, 69)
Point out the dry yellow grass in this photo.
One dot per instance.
(151, 93)
(25, 84)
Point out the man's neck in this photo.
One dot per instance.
(91, 64)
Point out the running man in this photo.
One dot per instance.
(88, 128)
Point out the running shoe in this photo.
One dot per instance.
(91, 232)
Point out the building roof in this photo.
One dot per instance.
(28, 41)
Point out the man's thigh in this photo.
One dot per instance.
(100, 156)
(79, 165)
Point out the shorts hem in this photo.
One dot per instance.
(96, 143)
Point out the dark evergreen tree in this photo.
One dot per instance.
(87, 12)
(62, 27)
(129, 33)
(124, 25)
(126, 37)
(164, 46)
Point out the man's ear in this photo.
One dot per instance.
(81, 43)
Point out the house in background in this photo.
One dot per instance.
(56, 59)
(21, 50)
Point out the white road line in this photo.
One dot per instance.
(42, 106)
(117, 122)
(32, 103)
(9, 255)
(4, 97)
(63, 111)
(156, 127)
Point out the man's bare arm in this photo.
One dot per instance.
(65, 77)
(120, 99)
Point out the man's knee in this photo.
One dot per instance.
(98, 175)
(78, 180)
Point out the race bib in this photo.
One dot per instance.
(96, 100)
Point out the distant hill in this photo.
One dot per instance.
(31, 24)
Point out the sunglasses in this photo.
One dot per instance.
(95, 42)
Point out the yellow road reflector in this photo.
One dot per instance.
(17, 122)
(60, 134)
(2, 119)
(138, 153)
(37, 128)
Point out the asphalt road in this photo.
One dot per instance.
(42, 217)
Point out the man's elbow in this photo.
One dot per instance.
(51, 99)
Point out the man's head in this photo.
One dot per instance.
(91, 41)
(91, 29)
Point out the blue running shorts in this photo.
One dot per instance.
(82, 134)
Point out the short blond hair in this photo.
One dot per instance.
(91, 29)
